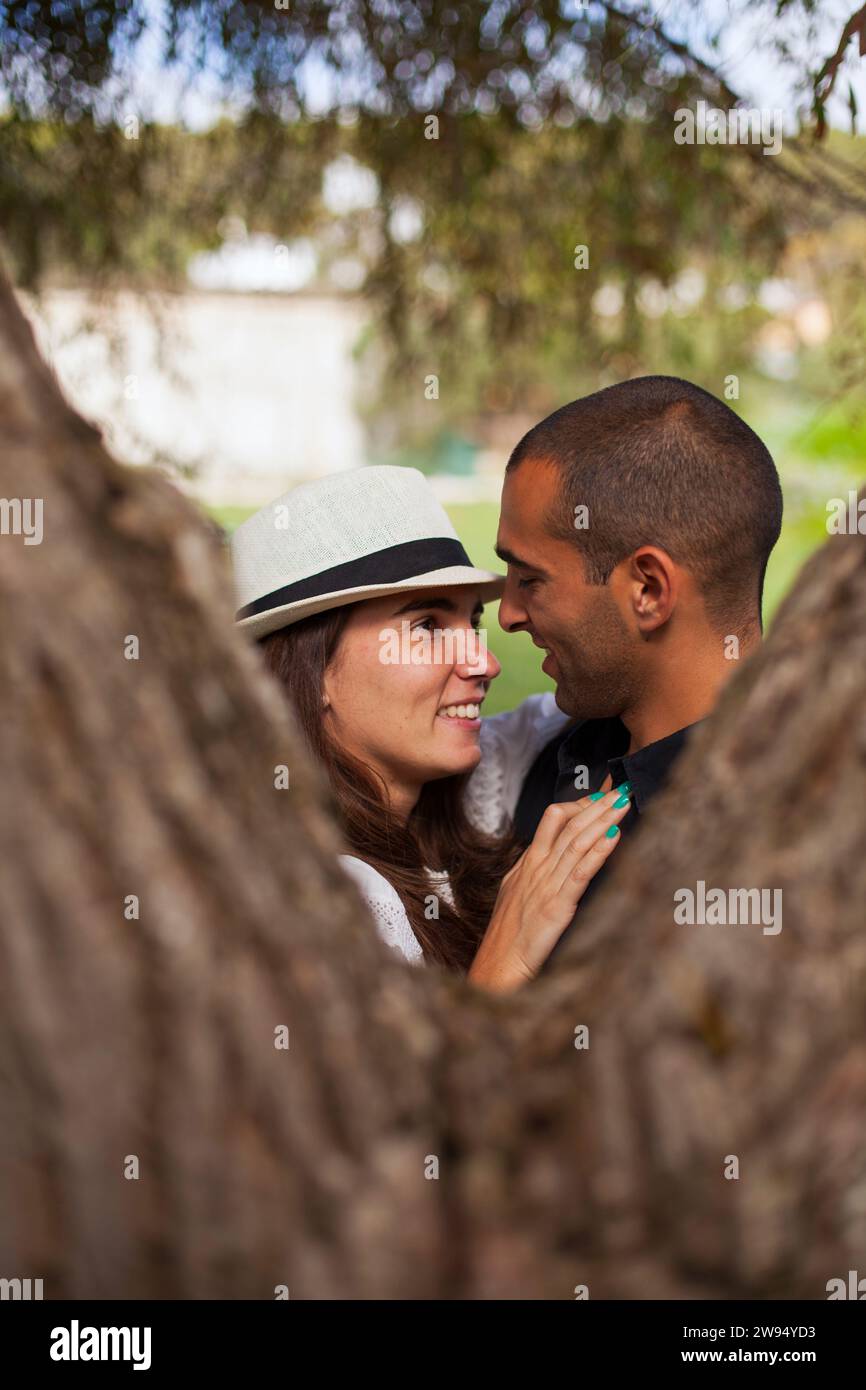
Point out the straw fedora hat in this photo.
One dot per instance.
(349, 536)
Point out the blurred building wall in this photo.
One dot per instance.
(246, 391)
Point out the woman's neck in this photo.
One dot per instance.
(402, 798)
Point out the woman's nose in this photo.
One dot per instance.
(494, 666)
(479, 661)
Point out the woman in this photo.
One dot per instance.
(368, 609)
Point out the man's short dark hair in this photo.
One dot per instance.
(658, 461)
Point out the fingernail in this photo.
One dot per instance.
(609, 834)
(596, 796)
(624, 787)
(623, 801)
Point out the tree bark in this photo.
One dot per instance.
(312, 1166)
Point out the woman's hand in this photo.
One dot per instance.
(540, 893)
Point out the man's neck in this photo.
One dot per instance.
(686, 691)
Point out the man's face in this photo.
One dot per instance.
(593, 654)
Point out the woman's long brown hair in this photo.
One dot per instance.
(437, 836)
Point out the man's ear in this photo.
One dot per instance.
(652, 582)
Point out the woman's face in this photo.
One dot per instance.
(405, 687)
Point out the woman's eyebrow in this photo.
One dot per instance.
(434, 601)
(445, 605)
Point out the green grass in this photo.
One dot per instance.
(802, 533)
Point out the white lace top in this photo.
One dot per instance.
(510, 744)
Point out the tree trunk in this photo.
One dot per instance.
(315, 1166)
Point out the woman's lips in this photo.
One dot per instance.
(464, 716)
(460, 723)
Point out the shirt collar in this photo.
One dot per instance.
(647, 769)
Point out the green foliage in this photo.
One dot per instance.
(555, 130)
(836, 434)
(489, 297)
(94, 204)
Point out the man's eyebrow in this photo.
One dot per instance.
(511, 559)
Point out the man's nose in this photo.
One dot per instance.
(512, 615)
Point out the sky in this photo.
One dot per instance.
(750, 65)
(748, 60)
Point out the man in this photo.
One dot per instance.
(636, 525)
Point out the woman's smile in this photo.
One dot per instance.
(465, 716)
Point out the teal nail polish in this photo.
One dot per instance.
(623, 801)
(596, 796)
(609, 834)
(624, 787)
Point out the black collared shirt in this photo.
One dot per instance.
(575, 763)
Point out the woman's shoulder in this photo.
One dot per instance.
(535, 720)
(510, 743)
(368, 879)
(385, 905)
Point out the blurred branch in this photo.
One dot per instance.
(826, 78)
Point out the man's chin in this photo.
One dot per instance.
(577, 702)
(565, 702)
